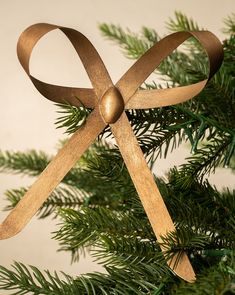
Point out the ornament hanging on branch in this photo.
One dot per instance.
(109, 103)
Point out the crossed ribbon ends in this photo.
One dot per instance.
(108, 102)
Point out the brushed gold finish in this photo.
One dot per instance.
(145, 185)
(52, 176)
(109, 102)
(111, 105)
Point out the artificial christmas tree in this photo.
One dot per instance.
(107, 213)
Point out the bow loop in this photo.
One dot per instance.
(151, 59)
(90, 58)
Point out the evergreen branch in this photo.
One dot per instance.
(30, 163)
(23, 279)
(86, 227)
(109, 167)
(218, 279)
(220, 111)
(31, 279)
(131, 254)
(202, 208)
(152, 128)
(182, 23)
(229, 54)
(13, 197)
(98, 178)
(163, 129)
(178, 66)
(205, 160)
(183, 240)
(201, 212)
(229, 21)
(73, 117)
(132, 44)
(107, 181)
(61, 197)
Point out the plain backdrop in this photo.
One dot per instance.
(27, 118)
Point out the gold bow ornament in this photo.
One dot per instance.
(109, 103)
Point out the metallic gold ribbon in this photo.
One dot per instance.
(109, 102)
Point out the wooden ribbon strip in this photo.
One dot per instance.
(109, 102)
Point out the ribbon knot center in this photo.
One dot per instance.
(111, 105)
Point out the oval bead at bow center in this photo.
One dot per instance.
(111, 105)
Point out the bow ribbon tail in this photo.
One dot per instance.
(149, 194)
(52, 176)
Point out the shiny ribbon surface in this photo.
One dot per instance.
(108, 102)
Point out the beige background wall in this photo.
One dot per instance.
(27, 119)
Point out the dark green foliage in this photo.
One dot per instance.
(215, 280)
(133, 45)
(30, 163)
(98, 206)
(230, 24)
(89, 227)
(61, 197)
(182, 23)
(116, 282)
(72, 117)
